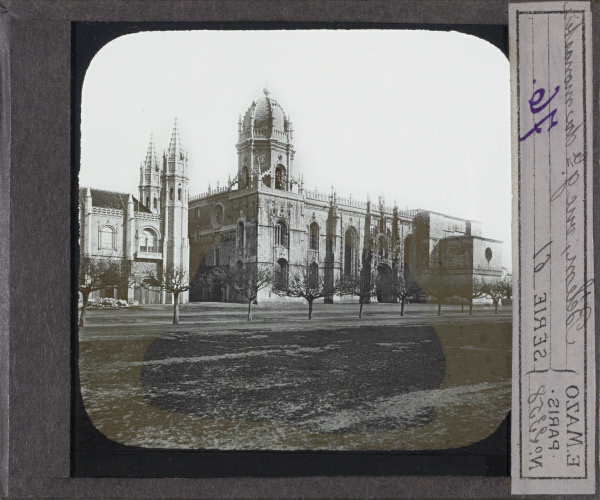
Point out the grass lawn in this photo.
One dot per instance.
(282, 382)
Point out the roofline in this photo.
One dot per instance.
(420, 210)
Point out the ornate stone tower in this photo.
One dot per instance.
(176, 247)
(332, 240)
(151, 180)
(265, 149)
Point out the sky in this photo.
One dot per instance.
(420, 117)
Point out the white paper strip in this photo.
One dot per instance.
(553, 407)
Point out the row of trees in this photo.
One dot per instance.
(306, 282)
(98, 274)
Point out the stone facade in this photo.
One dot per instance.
(145, 236)
(266, 216)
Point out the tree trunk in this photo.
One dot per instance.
(249, 309)
(175, 308)
(402, 307)
(310, 309)
(471, 306)
(86, 297)
(439, 306)
(496, 306)
(361, 306)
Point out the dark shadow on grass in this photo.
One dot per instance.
(325, 381)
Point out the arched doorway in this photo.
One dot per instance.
(384, 272)
(281, 274)
(217, 292)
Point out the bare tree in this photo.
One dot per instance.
(172, 281)
(246, 281)
(470, 289)
(362, 285)
(497, 289)
(307, 282)
(437, 285)
(401, 287)
(96, 273)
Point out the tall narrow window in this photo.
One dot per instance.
(348, 254)
(281, 234)
(382, 248)
(155, 204)
(280, 177)
(314, 236)
(281, 274)
(179, 194)
(171, 193)
(148, 241)
(217, 263)
(240, 234)
(148, 201)
(107, 238)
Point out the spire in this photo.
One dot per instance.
(175, 144)
(151, 161)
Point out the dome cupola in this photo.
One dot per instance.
(266, 119)
(265, 147)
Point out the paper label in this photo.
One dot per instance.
(553, 407)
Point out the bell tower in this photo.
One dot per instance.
(151, 180)
(265, 147)
(175, 192)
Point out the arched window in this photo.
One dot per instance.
(280, 177)
(179, 194)
(245, 180)
(382, 247)
(313, 275)
(314, 236)
(239, 265)
(240, 234)
(148, 241)
(349, 253)
(107, 238)
(171, 193)
(148, 201)
(281, 234)
(155, 203)
(281, 274)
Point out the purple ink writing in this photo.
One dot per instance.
(535, 107)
